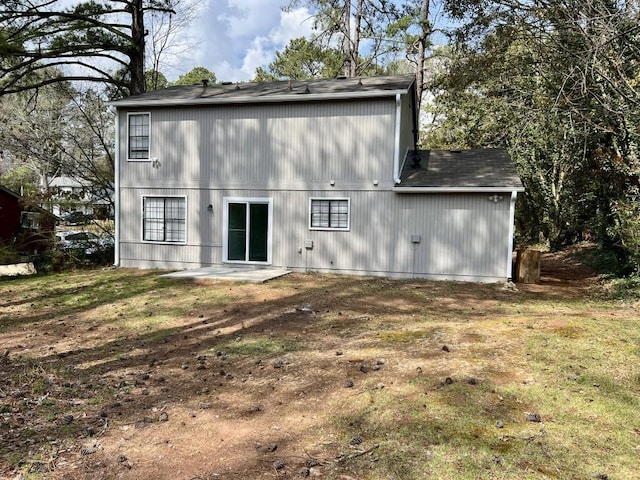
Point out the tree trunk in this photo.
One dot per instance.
(425, 34)
(136, 54)
(346, 40)
(528, 266)
(356, 40)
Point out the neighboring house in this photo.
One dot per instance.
(28, 226)
(319, 175)
(71, 195)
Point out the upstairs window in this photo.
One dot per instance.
(164, 219)
(138, 136)
(329, 214)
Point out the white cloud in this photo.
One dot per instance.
(237, 36)
(226, 72)
(256, 56)
(293, 24)
(234, 37)
(249, 17)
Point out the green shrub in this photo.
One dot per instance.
(8, 254)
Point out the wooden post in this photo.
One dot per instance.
(528, 266)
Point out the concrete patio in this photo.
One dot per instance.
(235, 273)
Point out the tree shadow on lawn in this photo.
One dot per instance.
(456, 430)
(61, 298)
(123, 379)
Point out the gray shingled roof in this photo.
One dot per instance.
(480, 169)
(282, 91)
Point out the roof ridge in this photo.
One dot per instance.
(277, 91)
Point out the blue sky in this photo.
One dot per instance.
(230, 37)
(234, 37)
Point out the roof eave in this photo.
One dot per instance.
(401, 189)
(299, 97)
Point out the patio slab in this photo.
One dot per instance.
(231, 273)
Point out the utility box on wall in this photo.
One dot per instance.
(416, 238)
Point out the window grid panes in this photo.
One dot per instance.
(330, 214)
(139, 136)
(164, 219)
(30, 220)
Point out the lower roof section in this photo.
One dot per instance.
(458, 171)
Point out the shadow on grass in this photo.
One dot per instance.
(447, 431)
(122, 376)
(55, 297)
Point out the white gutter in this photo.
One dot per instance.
(396, 144)
(457, 189)
(512, 215)
(220, 99)
(116, 253)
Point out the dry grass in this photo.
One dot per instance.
(443, 376)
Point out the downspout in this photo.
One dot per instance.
(396, 153)
(116, 253)
(512, 216)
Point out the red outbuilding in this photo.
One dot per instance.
(29, 227)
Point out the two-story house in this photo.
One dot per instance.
(69, 194)
(319, 175)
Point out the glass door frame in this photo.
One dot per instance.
(225, 227)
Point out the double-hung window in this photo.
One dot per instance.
(164, 219)
(138, 136)
(329, 214)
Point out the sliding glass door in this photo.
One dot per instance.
(247, 227)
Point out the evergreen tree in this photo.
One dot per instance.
(88, 41)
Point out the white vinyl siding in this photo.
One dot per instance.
(329, 214)
(211, 153)
(164, 219)
(138, 133)
(253, 147)
(463, 236)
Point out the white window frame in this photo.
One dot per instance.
(129, 115)
(186, 216)
(225, 225)
(331, 199)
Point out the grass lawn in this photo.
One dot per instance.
(120, 374)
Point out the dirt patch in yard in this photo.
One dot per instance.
(117, 374)
(563, 271)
